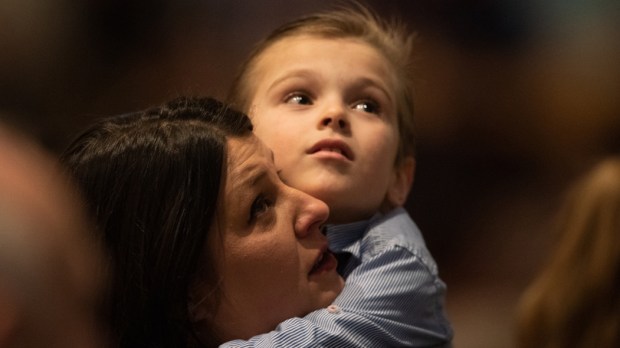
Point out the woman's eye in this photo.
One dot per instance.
(368, 106)
(297, 98)
(260, 205)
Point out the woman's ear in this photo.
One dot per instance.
(399, 188)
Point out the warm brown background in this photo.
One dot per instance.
(514, 99)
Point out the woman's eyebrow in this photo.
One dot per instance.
(248, 176)
(252, 177)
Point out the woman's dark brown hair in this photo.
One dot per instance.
(152, 181)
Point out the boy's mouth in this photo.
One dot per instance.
(332, 145)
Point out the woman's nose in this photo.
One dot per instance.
(311, 214)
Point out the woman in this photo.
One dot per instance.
(206, 244)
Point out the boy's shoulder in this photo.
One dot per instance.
(395, 229)
(396, 224)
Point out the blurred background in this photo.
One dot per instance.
(515, 98)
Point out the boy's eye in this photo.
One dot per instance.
(368, 106)
(298, 98)
(260, 205)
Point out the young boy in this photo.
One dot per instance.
(331, 95)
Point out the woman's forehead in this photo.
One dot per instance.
(248, 158)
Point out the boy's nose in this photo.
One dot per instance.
(338, 122)
(335, 116)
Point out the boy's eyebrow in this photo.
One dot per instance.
(308, 74)
(367, 81)
(297, 73)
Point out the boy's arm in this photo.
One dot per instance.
(391, 299)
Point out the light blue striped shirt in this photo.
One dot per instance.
(393, 296)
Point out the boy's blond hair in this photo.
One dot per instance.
(389, 38)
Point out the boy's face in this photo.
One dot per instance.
(327, 109)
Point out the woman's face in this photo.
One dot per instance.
(271, 256)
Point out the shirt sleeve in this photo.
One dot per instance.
(390, 300)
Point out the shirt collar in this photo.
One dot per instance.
(343, 235)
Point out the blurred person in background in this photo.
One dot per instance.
(575, 301)
(49, 266)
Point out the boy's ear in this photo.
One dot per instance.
(401, 182)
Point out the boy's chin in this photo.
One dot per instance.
(343, 215)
